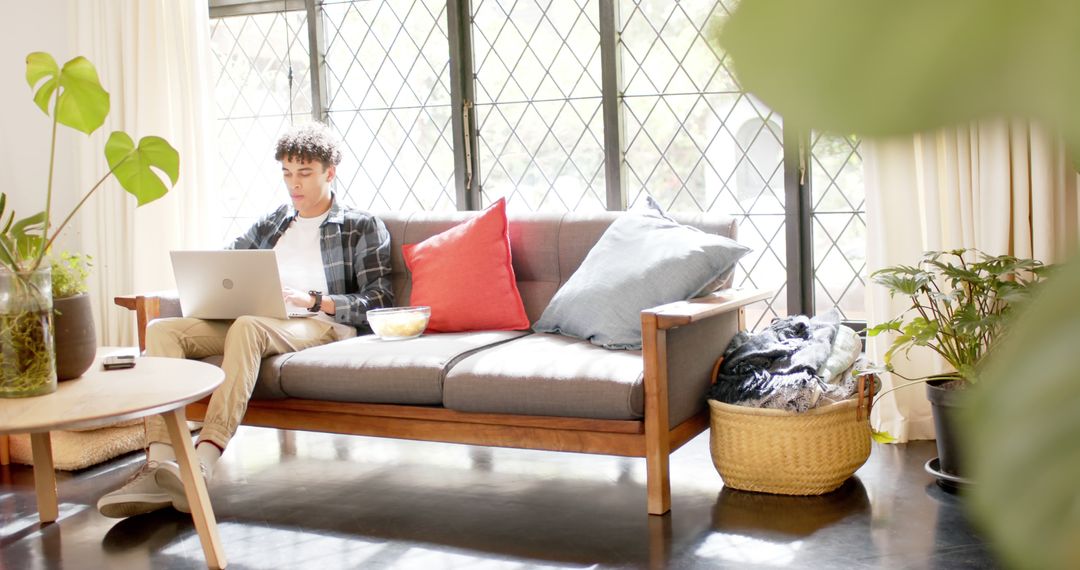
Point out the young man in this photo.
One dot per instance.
(333, 261)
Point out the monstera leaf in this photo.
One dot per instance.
(83, 103)
(132, 165)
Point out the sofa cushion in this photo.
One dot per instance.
(464, 274)
(548, 375)
(640, 262)
(366, 369)
(268, 383)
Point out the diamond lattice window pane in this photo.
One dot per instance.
(538, 107)
(695, 142)
(262, 82)
(838, 198)
(251, 178)
(388, 87)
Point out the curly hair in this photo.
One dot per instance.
(307, 142)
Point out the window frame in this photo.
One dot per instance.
(798, 206)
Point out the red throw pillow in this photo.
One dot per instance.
(464, 274)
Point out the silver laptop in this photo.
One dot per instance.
(226, 284)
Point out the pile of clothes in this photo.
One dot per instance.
(795, 364)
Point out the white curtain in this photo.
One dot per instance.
(153, 56)
(1004, 187)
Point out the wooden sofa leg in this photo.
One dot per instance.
(5, 450)
(657, 442)
(658, 483)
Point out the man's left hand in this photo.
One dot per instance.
(296, 298)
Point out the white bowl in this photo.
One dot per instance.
(399, 323)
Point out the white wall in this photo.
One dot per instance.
(40, 25)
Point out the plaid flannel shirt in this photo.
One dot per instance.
(355, 252)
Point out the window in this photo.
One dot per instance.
(560, 105)
(261, 87)
(388, 95)
(839, 206)
(696, 142)
(538, 104)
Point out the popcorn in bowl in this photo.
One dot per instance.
(399, 323)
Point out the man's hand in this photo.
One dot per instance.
(300, 299)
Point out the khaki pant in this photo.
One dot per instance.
(244, 342)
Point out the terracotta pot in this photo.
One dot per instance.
(76, 341)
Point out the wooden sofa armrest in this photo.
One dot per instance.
(656, 326)
(681, 313)
(147, 308)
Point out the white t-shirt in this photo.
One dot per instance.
(300, 264)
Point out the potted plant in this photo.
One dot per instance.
(73, 319)
(960, 304)
(72, 96)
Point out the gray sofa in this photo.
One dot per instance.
(509, 388)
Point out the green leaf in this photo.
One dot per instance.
(902, 341)
(1006, 265)
(1015, 297)
(29, 223)
(8, 223)
(882, 437)
(893, 325)
(40, 65)
(41, 98)
(1022, 430)
(879, 67)
(906, 281)
(949, 297)
(132, 165)
(25, 244)
(966, 319)
(921, 331)
(84, 103)
(956, 274)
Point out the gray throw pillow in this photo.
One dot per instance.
(640, 262)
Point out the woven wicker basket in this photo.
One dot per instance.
(788, 453)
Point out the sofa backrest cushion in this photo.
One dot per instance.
(641, 261)
(465, 275)
(546, 248)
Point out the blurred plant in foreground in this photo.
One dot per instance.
(879, 67)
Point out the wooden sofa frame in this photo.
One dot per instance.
(649, 437)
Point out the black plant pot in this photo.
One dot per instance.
(76, 341)
(946, 400)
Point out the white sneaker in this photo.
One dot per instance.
(141, 494)
(172, 483)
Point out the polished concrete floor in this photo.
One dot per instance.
(305, 500)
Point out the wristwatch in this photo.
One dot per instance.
(314, 308)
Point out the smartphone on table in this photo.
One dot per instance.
(118, 362)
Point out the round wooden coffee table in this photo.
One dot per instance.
(102, 397)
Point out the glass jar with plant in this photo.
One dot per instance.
(961, 302)
(72, 96)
